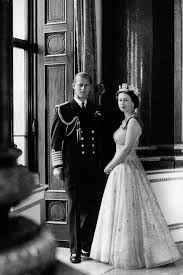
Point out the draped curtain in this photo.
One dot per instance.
(86, 39)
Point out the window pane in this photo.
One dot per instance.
(20, 91)
(20, 19)
(21, 143)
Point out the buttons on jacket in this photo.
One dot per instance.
(88, 142)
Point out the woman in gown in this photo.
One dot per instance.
(131, 231)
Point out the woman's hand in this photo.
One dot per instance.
(108, 169)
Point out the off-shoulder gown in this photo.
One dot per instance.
(131, 231)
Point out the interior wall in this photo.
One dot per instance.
(112, 38)
(168, 188)
(127, 54)
(142, 45)
(163, 73)
(178, 61)
(98, 8)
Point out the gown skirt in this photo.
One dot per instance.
(131, 230)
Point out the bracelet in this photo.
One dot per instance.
(110, 168)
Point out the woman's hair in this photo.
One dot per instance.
(132, 95)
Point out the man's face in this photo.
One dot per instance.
(81, 88)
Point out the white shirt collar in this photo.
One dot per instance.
(79, 102)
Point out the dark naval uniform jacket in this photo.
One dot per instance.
(76, 141)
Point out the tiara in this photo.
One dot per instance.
(126, 87)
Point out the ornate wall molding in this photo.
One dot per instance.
(175, 226)
(160, 147)
(57, 211)
(166, 179)
(165, 175)
(55, 92)
(55, 11)
(163, 155)
(55, 43)
(159, 158)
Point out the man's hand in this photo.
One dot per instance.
(58, 173)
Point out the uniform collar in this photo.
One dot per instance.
(79, 102)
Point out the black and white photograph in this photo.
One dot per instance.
(91, 137)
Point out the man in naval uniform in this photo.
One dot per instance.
(77, 159)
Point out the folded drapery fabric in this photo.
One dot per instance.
(85, 27)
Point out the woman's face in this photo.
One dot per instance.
(125, 103)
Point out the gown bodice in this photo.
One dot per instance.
(120, 136)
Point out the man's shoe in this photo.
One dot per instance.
(85, 253)
(75, 258)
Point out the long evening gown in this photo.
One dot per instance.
(131, 231)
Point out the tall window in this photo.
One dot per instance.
(24, 80)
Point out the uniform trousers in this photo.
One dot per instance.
(83, 187)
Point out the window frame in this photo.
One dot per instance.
(31, 46)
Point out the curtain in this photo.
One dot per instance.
(86, 39)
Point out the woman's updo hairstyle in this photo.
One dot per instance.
(131, 91)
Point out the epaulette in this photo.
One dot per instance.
(57, 107)
(62, 104)
(59, 110)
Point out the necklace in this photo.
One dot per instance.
(125, 121)
(130, 115)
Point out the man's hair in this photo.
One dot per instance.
(83, 75)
